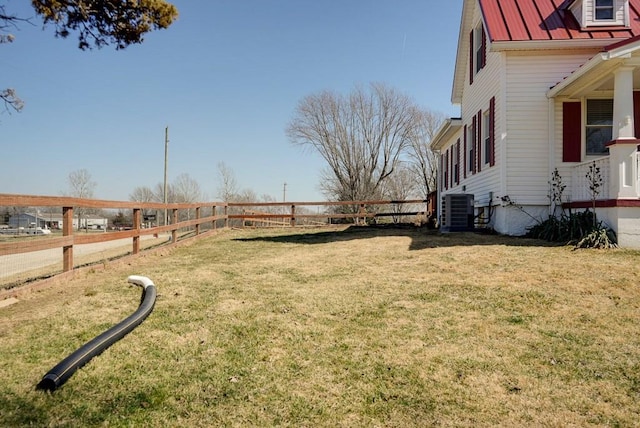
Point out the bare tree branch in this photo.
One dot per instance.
(11, 100)
(361, 137)
(423, 161)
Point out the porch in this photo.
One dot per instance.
(617, 200)
(607, 178)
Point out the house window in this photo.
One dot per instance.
(456, 163)
(604, 10)
(479, 47)
(599, 126)
(486, 137)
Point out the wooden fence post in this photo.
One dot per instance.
(174, 220)
(293, 214)
(198, 218)
(226, 216)
(67, 230)
(136, 227)
(213, 214)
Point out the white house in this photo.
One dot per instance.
(543, 85)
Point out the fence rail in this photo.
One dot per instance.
(191, 218)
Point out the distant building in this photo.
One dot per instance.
(54, 221)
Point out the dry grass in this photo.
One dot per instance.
(361, 327)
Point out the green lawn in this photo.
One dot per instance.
(356, 327)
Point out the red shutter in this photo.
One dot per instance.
(442, 183)
(446, 169)
(636, 113)
(571, 132)
(492, 131)
(453, 178)
(458, 161)
(464, 154)
(479, 141)
(474, 144)
(471, 53)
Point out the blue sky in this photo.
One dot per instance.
(225, 78)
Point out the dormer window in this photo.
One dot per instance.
(598, 13)
(604, 10)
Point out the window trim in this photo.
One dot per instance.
(477, 50)
(471, 147)
(486, 137)
(585, 126)
(479, 47)
(456, 162)
(597, 8)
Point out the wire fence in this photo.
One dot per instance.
(41, 236)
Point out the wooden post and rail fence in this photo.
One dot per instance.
(194, 218)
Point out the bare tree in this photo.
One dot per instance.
(228, 186)
(81, 186)
(158, 191)
(8, 96)
(186, 189)
(183, 190)
(11, 100)
(400, 185)
(361, 136)
(423, 161)
(143, 194)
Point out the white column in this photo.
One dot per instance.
(623, 127)
(623, 172)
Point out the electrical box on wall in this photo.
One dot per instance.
(457, 212)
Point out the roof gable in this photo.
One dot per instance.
(533, 25)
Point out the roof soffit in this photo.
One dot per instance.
(444, 134)
(596, 72)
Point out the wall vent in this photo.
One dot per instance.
(457, 212)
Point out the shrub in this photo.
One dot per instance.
(580, 228)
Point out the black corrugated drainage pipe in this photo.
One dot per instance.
(58, 375)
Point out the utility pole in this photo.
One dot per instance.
(284, 192)
(166, 157)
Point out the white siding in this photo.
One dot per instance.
(476, 97)
(529, 77)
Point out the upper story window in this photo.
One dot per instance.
(479, 48)
(486, 137)
(599, 126)
(598, 13)
(478, 51)
(471, 147)
(604, 10)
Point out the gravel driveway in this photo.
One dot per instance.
(17, 263)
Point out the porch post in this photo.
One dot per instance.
(623, 128)
(623, 179)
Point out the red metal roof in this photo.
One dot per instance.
(538, 20)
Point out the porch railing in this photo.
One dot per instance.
(638, 173)
(580, 184)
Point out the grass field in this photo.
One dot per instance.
(357, 327)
